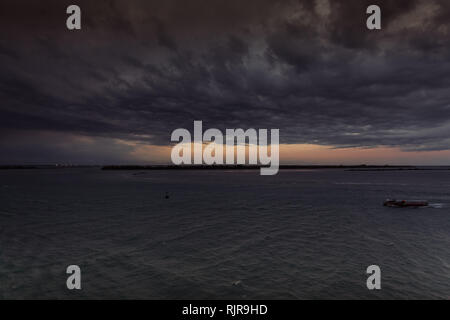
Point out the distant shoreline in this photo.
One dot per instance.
(282, 167)
(228, 167)
(246, 167)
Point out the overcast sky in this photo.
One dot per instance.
(114, 91)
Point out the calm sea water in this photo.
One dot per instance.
(223, 234)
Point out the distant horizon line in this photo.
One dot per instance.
(219, 167)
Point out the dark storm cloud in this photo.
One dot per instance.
(139, 69)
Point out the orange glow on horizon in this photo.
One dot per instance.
(311, 154)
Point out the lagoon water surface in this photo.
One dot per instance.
(223, 234)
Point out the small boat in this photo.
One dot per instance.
(405, 203)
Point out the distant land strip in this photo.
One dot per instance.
(362, 167)
(254, 167)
